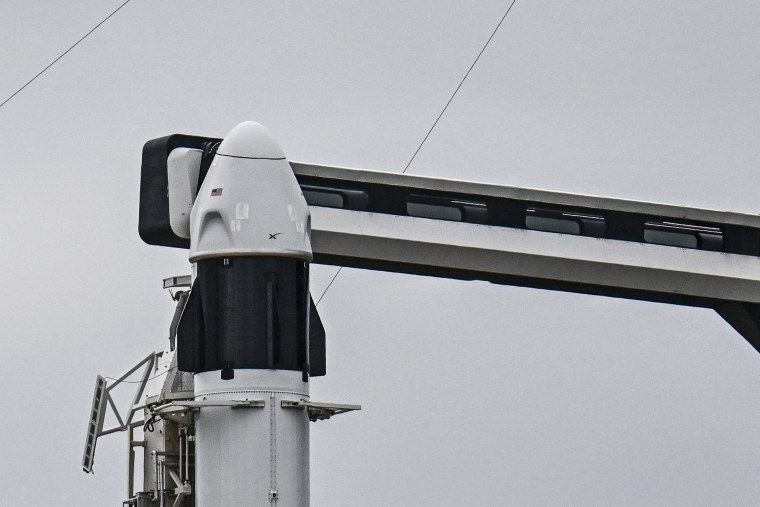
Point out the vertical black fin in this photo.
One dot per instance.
(317, 348)
(181, 299)
(190, 333)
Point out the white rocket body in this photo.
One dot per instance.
(250, 211)
(252, 456)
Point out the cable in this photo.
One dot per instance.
(460, 85)
(63, 54)
(328, 286)
(436, 122)
(148, 426)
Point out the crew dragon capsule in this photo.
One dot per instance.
(250, 243)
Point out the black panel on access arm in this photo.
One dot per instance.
(154, 226)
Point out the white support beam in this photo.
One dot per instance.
(363, 176)
(620, 262)
(410, 244)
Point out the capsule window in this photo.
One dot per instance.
(565, 222)
(335, 197)
(683, 235)
(446, 208)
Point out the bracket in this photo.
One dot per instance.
(102, 399)
(179, 411)
(320, 411)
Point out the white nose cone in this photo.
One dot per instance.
(250, 140)
(250, 202)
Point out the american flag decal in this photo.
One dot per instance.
(216, 192)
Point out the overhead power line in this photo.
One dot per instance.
(63, 54)
(436, 121)
(328, 286)
(459, 86)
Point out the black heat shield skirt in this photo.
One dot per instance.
(251, 313)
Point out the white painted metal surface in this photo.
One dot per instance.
(250, 202)
(257, 455)
(182, 168)
(525, 194)
(487, 252)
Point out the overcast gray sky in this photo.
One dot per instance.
(473, 394)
